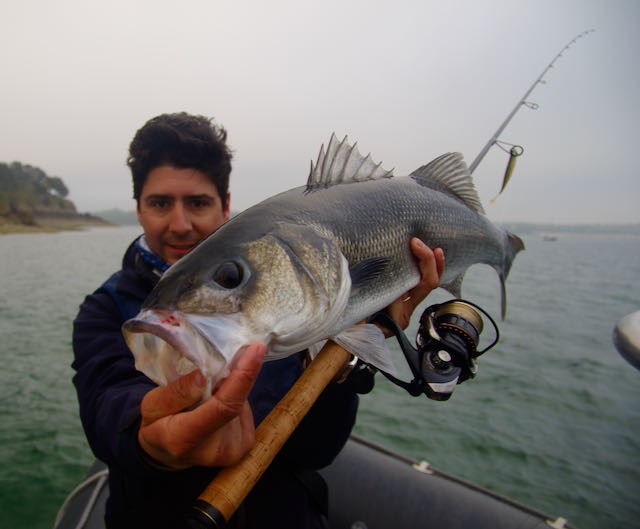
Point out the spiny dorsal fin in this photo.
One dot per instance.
(343, 163)
(451, 171)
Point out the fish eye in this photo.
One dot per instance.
(228, 275)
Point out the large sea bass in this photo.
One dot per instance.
(310, 263)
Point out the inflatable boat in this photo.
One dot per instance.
(370, 487)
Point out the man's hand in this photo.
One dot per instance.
(216, 433)
(431, 264)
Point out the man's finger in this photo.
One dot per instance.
(172, 398)
(431, 264)
(439, 255)
(187, 391)
(228, 400)
(238, 384)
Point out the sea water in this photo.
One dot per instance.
(552, 418)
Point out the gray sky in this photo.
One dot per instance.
(407, 80)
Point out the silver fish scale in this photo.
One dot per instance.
(377, 219)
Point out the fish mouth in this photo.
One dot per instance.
(169, 344)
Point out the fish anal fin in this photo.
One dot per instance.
(454, 286)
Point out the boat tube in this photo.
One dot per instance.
(370, 487)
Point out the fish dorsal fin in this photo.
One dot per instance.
(343, 163)
(451, 171)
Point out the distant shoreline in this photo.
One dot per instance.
(52, 224)
(114, 218)
(524, 228)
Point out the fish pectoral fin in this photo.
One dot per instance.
(367, 270)
(367, 342)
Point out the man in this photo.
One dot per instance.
(161, 451)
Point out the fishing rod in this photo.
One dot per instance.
(445, 356)
(517, 150)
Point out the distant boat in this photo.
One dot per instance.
(550, 238)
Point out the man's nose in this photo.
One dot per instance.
(180, 219)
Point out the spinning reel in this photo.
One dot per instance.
(447, 346)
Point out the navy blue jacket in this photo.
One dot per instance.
(110, 390)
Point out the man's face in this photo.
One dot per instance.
(177, 209)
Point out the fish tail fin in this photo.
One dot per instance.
(513, 245)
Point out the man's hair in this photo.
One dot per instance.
(184, 141)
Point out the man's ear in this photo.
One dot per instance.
(138, 212)
(227, 208)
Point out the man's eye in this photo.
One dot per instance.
(159, 204)
(200, 203)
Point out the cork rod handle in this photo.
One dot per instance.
(225, 493)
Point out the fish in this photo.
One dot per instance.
(311, 263)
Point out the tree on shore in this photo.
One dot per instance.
(26, 191)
